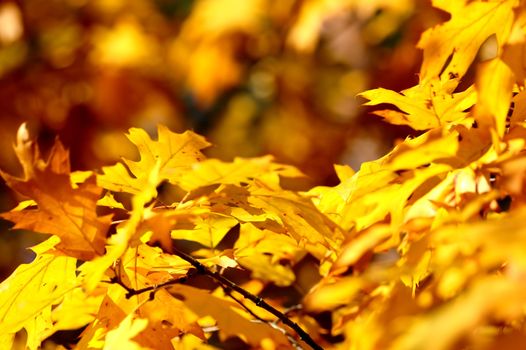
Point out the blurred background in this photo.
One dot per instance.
(254, 76)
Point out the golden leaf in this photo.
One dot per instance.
(230, 322)
(494, 85)
(461, 37)
(241, 170)
(208, 231)
(28, 295)
(423, 107)
(269, 255)
(173, 154)
(121, 337)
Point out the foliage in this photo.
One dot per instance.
(420, 249)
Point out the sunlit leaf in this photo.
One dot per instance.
(267, 254)
(230, 323)
(494, 87)
(173, 154)
(29, 294)
(122, 336)
(70, 213)
(213, 171)
(423, 107)
(462, 36)
(208, 231)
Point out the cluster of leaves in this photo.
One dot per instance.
(420, 249)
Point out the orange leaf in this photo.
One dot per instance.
(69, 213)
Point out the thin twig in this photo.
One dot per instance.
(227, 285)
(130, 292)
(255, 299)
(274, 325)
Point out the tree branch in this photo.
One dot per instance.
(228, 286)
(272, 324)
(255, 299)
(130, 292)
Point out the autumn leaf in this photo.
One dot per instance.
(495, 87)
(300, 217)
(173, 154)
(76, 310)
(422, 248)
(214, 171)
(461, 37)
(70, 213)
(450, 322)
(269, 255)
(29, 294)
(230, 322)
(121, 337)
(208, 230)
(423, 107)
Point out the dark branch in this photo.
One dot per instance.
(228, 286)
(255, 299)
(271, 324)
(131, 291)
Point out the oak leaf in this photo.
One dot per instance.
(29, 294)
(237, 172)
(461, 37)
(269, 255)
(230, 322)
(423, 107)
(62, 210)
(172, 155)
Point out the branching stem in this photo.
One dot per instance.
(227, 285)
(255, 299)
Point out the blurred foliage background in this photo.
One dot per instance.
(254, 76)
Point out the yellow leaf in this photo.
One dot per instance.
(418, 272)
(434, 145)
(121, 338)
(365, 208)
(230, 322)
(461, 37)
(269, 255)
(331, 200)
(161, 222)
(116, 178)
(513, 53)
(152, 262)
(173, 154)
(448, 324)
(308, 226)
(28, 295)
(241, 170)
(109, 201)
(494, 84)
(93, 271)
(332, 294)
(76, 310)
(353, 250)
(208, 231)
(7, 341)
(423, 106)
